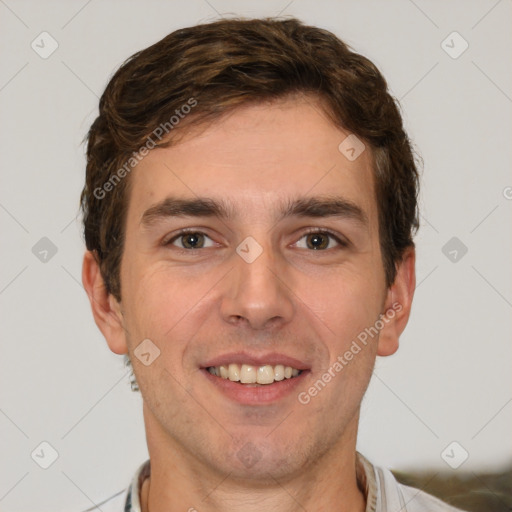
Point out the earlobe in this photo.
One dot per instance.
(105, 308)
(398, 304)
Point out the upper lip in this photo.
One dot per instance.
(271, 358)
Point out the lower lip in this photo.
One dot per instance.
(247, 394)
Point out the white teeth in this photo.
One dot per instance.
(279, 372)
(265, 375)
(234, 372)
(249, 374)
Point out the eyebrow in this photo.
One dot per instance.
(316, 207)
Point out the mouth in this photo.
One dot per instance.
(250, 379)
(252, 375)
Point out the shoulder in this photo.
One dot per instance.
(385, 493)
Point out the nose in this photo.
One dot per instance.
(258, 294)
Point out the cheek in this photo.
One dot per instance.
(348, 305)
(165, 304)
(345, 302)
(160, 309)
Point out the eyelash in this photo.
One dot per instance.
(321, 231)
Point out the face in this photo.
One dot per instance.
(253, 245)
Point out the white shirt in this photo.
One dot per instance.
(383, 493)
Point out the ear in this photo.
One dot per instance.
(398, 303)
(105, 308)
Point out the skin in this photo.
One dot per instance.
(195, 304)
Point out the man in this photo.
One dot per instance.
(249, 207)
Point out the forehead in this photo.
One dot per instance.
(253, 158)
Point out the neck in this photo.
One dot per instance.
(179, 481)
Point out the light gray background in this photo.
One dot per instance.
(450, 380)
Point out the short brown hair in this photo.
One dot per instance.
(220, 66)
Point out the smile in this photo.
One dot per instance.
(251, 374)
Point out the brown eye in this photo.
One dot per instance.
(320, 241)
(190, 240)
(317, 241)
